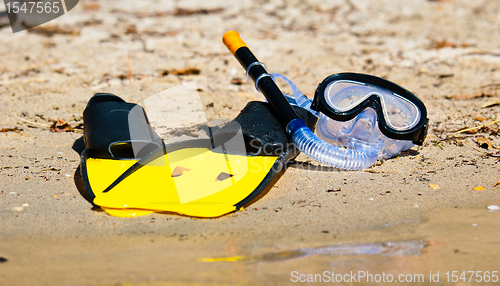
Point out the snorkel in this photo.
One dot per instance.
(355, 153)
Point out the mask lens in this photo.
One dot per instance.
(399, 112)
(344, 95)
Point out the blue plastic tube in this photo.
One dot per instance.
(321, 151)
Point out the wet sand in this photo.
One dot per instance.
(445, 52)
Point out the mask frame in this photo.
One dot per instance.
(416, 134)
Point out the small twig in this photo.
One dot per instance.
(31, 122)
(490, 85)
(486, 153)
(480, 54)
(461, 138)
(478, 127)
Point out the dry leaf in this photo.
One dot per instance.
(186, 71)
(434, 186)
(52, 30)
(466, 130)
(17, 130)
(91, 6)
(480, 118)
(60, 126)
(478, 188)
(446, 75)
(490, 104)
(237, 81)
(131, 29)
(50, 169)
(483, 142)
(78, 127)
(188, 12)
(447, 44)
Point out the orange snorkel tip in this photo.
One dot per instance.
(233, 41)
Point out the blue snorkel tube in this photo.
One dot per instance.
(326, 153)
(302, 136)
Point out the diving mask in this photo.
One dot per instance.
(400, 114)
(364, 112)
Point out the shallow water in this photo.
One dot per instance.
(453, 240)
(391, 248)
(457, 247)
(425, 252)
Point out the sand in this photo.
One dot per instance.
(446, 52)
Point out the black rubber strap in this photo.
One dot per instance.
(108, 121)
(262, 131)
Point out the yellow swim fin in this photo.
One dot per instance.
(202, 178)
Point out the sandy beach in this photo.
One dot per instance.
(432, 201)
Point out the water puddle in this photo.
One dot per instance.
(457, 246)
(446, 247)
(395, 248)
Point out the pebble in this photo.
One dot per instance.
(474, 224)
(371, 199)
(25, 205)
(493, 208)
